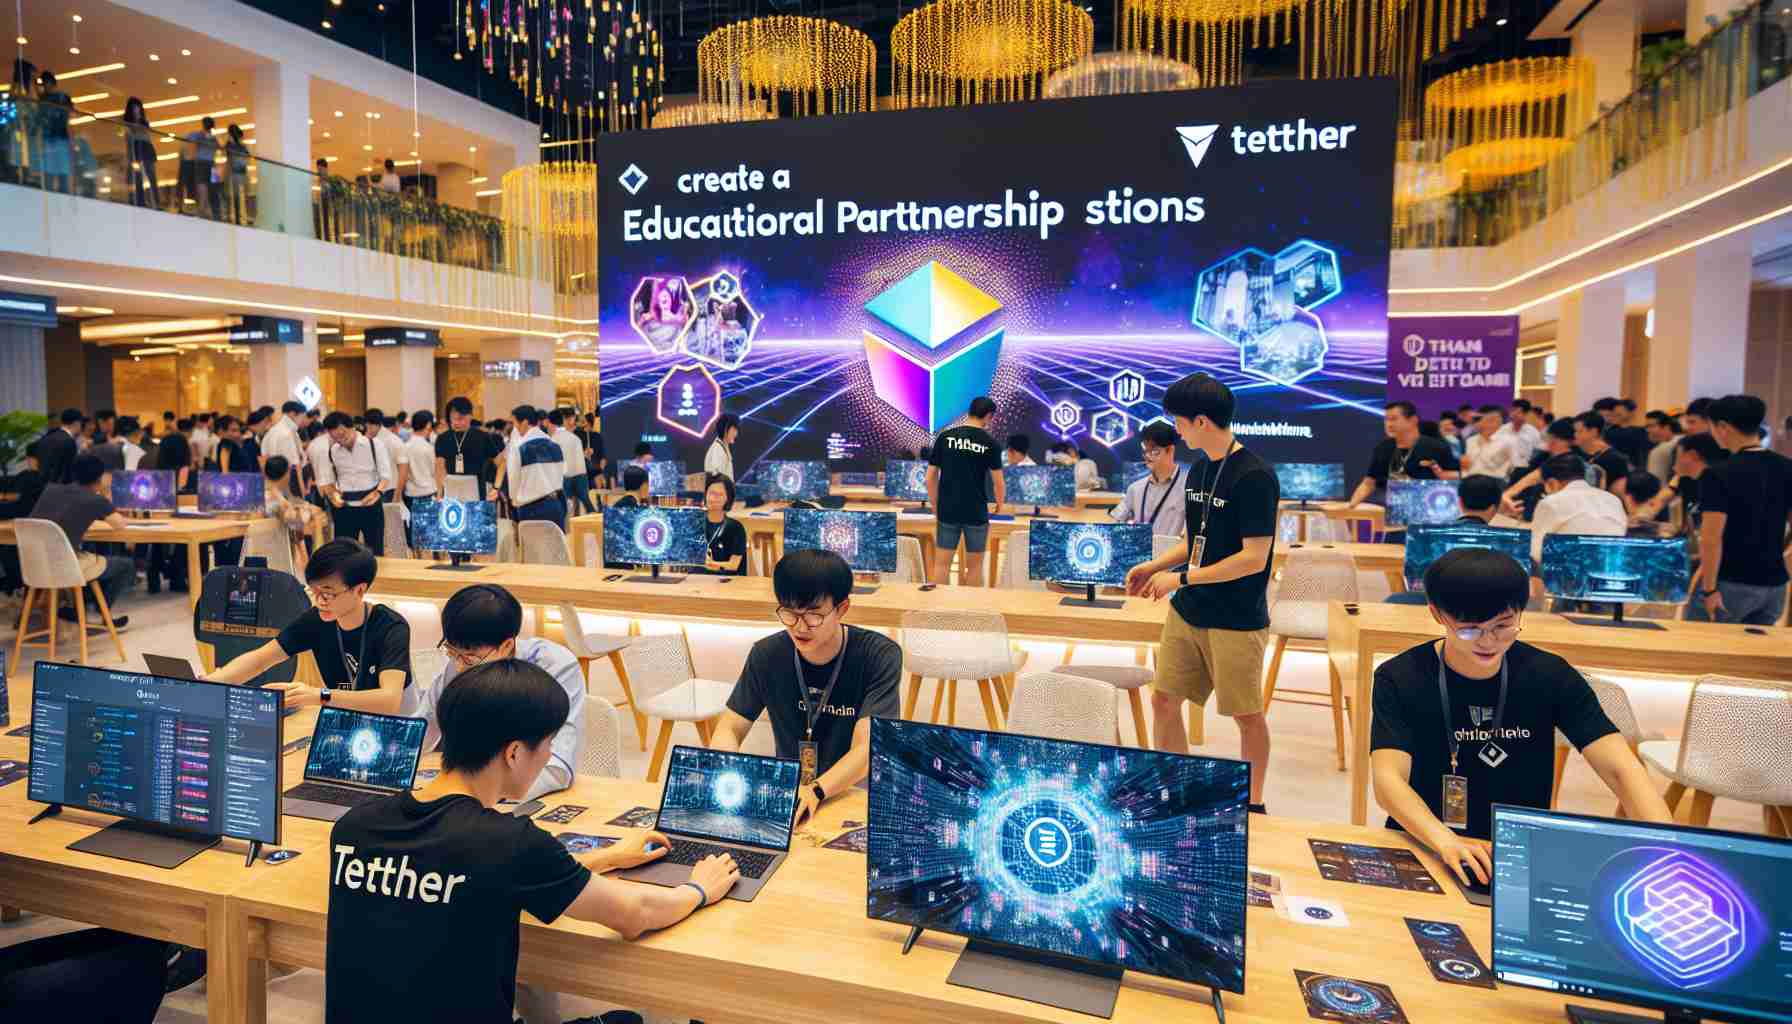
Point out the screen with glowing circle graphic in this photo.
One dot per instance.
(736, 798)
(867, 540)
(231, 492)
(143, 490)
(654, 536)
(790, 480)
(1426, 543)
(1099, 553)
(1044, 486)
(458, 527)
(1107, 854)
(362, 747)
(1422, 501)
(905, 479)
(1311, 481)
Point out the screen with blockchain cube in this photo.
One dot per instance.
(1625, 570)
(847, 285)
(867, 540)
(737, 798)
(1113, 855)
(1668, 916)
(359, 746)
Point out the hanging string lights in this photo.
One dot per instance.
(788, 64)
(1492, 121)
(706, 113)
(958, 52)
(1117, 74)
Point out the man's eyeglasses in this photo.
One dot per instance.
(1503, 631)
(324, 596)
(809, 619)
(464, 658)
(1152, 453)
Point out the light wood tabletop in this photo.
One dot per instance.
(1387, 559)
(193, 534)
(1358, 634)
(875, 493)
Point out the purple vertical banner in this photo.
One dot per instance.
(1442, 362)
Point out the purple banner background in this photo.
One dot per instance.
(1440, 362)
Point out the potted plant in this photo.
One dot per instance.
(17, 430)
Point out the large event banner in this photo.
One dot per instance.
(1443, 362)
(846, 285)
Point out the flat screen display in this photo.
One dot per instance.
(1422, 501)
(242, 598)
(905, 479)
(867, 540)
(1621, 570)
(1311, 481)
(1109, 854)
(231, 492)
(143, 490)
(1426, 543)
(454, 526)
(785, 480)
(193, 755)
(1041, 486)
(736, 798)
(643, 535)
(1665, 916)
(665, 477)
(365, 748)
(1100, 553)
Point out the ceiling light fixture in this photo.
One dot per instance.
(173, 81)
(77, 18)
(155, 56)
(92, 97)
(76, 50)
(327, 23)
(98, 69)
(22, 41)
(1502, 22)
(188, 118)
(477, 181)
(339, 113)
(186, 53)
(482, 193)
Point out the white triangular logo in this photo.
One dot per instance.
(1196, 138)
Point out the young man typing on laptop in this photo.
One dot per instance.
(848, 675)
(426, 887)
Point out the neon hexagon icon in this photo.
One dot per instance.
(722, 330)
(1109, 426)
(661, 311)
(1066, 415)
(1682, 919)
(689, 399)
(1126, 388)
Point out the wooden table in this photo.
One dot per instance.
(193, 534)
(875, 493)
(804, 949)
(1387, 559)
(1357, 634)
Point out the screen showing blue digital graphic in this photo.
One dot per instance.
(1311, 481)
(362, 747)
(1107, 854)
(1426, 543)
(457, 527)
(1621, 570)
(198, 756)
(644, 535)
(1042, 486)
(1131, 472)
(1099, 553)
(665, 477)
(736, 798)
(867, 540)
(143, 490)
(1422, 501)
(905, 480)
(232, 492)
(788, 480)
(1666, 916)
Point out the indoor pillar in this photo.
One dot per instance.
(281, 99)
(1589, 347)
(401, 377)
(1700, 344)
(275, 370)
(1607, 36)
(501, 395)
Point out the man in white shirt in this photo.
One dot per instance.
(130, 435)
(316, 450)
(535, 468)
(1156, 499)
(202, 440)
(1525, 437)
(380, 434)
(352, 475)
(389, 181)
(577, 482)
(283, 439)
(417, 468)
(1019, 451)
(1489, 452)
(1571, 505)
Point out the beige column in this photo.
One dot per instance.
(401, 377)
(1607, 35)
(1701, 322)
(1589, 347)
(502, 395)
(275, 370)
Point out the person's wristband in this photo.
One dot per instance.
(1183, 576)
(702, 897)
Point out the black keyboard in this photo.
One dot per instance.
(684, 851)
(341, 796)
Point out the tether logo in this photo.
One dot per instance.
(1196, 138)
(1412, 345)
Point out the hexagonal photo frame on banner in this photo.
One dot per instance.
(661, 310)
(725, 324)
(1264, 305)
(689, 399)
(1110, 427)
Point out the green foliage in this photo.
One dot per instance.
(18, 429)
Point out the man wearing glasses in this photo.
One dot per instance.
(847, 675)
(1153, 499)
(1439, 770)
(363, 651)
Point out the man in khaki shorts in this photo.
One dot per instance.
(1214, 636)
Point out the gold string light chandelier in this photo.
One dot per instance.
(823, 66)
(706, 113)
(1493, 121)
(959, 52)
(1118, 74)
(555, 207)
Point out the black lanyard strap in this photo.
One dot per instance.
(354, 674)
(1170, 488)
(1207, 506)
(814, 710)
(1443, 693)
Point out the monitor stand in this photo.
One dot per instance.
(865, 583)
(1038, 977)
(1089, 600)
(1039, 513)
(1589, 1015)
(1617, 620)
(457, 563)
(144, 843)
(655, 578)
(922, 509)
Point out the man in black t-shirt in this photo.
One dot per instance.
(463, 449)
(363, 651)
(1405, 454)
(1507, 699)
(849, 675)
(1218, 626)
(427, 888)
(1745, 503)
(1589, 437)
(964, 471)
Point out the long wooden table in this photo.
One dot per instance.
(875, 493)
(1387, 559)
(1357, 634)
(193, 534)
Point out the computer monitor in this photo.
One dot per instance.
(785, 480)
(232, 492)
(1090, 554)
(1132, 472)
(644, 535)
(1691, 921)
(905, 480)
(730, 797)
(665, 477)
(143, 490)
(1426, 543)
(1616, 570)
(1040, 487)
(1422, 501)
(1110, 857)
(366, 748)
(1311, 481)
(867, 540)
(460, 528)
(184, 761)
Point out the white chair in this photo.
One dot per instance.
(543, 543)
(660, 666)
(396, 545)
(1312, 578)
(1616, 704)
(1063, 707)
(1736, 744)
(268, 539)
(506, 541)
(909, 566)
(953, 645)
(1127, 678)
(49, 565)
(460, 488)
(600, 749)
(1013, 575)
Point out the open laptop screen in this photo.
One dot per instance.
(365, 749)
(734, 798)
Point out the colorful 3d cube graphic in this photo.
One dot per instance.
(1682, 918)
(1263, 304)
(932, 308)
(690, 400)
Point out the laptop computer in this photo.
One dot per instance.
(717, 801)
(169, 668)
(355, 757)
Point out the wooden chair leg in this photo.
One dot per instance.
(939, 694)
(1004, 693)
(50, 651)
(18, 647)
(1700, 808)
(1770, 821)
(1555, 788)
(1672, 797)
(1069, 653)
(628, 695)
(1138, 718)
(1275, 669)
(81, 623)
(989, 703)
(914, 696)
(1337, 682)
(1780, 823)
(659, 752)
(952, 702)
(106, 612)
(706, 729)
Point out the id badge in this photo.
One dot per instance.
(1197, 547)
(806, 754)
(1456, 801)
(460, 463)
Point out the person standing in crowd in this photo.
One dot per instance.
(1589, 438)
(1492, 450)
(236, 176)
(56, 450)
(1626, 435)
(131, 442)
(643, 453)
(1019, 451)
(1695, 420)
(1451, 432)
(140, 155)
(390, 446)
(417, 470)
(572, 459)
(282, 438)
(1571, 505)
(280, 503)
(634, 487)
(725, 536)
(1746, 505)
(76, 507)
(231, 458)
(1155, 499)
(317, 449)
(201, 439)
(463, 449)
(105, 423)
(963, 472)
(352, 474)
(110, 453)
(54, 160)
(389, 180)
(253, 430)
(1664, 432)
(536, 469)
(198, 150)
(177, 455)
(1404, 455)
(1525, 437)
(1217, 580)
(720, 457)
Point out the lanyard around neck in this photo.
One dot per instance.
(814, 710)
(1207, 507)
(1443, 693)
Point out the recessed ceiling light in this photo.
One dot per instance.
(413, 152)
(326, 135)
(174, 81)
(76, 50)
(472, 149)
(155, 56)
(22, 41)
(339, 113)
(368, 148)
(186, 53)
(77, 17)
(1502, 21)
(326, 23)
(309, 121)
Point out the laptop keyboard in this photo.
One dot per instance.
(685, 851)
(324, 793)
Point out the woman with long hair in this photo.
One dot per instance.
(140, 154)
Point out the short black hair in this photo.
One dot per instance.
(338, 419)
(1704, 446)
(982, 407)
(633, 478)
(727, 422)
(482, 615)
(1476, 584)
(642, 448)
(1590, 421)
(183, 425)
(1746, 413)
(1200, 394)
(526, 413)
(803, 577)
(1158, 433)
(289, 406)
(422, 419)
(1655, 415)
(1491, 407)
(1605, 405)
(557, 417)
(1407, 409)
(375, 416)
(490, 706)
(460, 404)
(203, 417)
(1642, 484)
(257, 417)
(1700, 407)
(88, 469)
(1020, 443)
(1431, 428)
(276, 467)
(105, 414)
(71, 415)
(1523, 404)
(1561, 430)
(727, 482)
(1566, 467)
(127, 425)
(1628, 403)
(345, 558)
(1479, 493)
